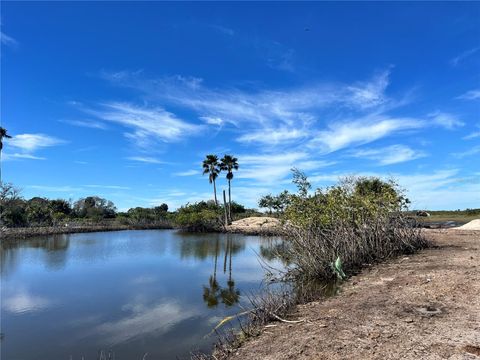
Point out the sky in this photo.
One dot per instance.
(124, 100)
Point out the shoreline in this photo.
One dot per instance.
(417, 306)
(28, 232)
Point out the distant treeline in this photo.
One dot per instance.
(16, 211)
(458, 212)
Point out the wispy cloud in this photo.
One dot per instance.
(7, 40)
(272, 168)
(473, 151)
(148, 123)
(86, 123)
(187, 173)
(282, 113)
(145, 159)
(114, 187)
(358, 132)
(445, 120)
(470, 95)
(273, 136)
(473, 135)
(17, 156)
(223, 29)
(212, 120)
(389, 155)
(64, 188)
(33, 142)
(458, 59)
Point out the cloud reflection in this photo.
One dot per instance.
(22, 302)
(158, 318)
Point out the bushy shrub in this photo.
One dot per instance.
(200, 217)
(360, 220)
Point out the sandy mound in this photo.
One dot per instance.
(255, 224)
(472, 225)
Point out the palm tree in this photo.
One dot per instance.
(212, 168)
(229, 163)
(3, 134)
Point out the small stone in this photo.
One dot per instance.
(409, 320)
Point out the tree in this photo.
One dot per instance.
(266, 201)
(228, 164)
(94, 207)
(212, 168)
(3, 134)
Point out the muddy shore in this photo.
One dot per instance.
(425, 306)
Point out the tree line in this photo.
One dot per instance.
(15, 211)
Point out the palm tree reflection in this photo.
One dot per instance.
(213, 293)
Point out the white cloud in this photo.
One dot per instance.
(370, 94)
(251, 112)
(470, 95)
(187, 173)
(7, 40)
(114, 187)
(357, 132)
(458, 59)
(445, 120)
(473, 151)
(473, 135)
(31, 142)
(272, 168)
(66, 188)
(16, 156)
(389, 155)
(145, 159)
(273, 136)
(223, 29)
(212, 120)
(86, 123)
(147, 123)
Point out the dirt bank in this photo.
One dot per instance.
(256, 225)
(425, 306)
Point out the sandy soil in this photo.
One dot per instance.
(425, 306)
(472, 225)
(256, 225)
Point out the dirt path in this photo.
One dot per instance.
(425, 306)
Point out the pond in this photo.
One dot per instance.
(154, 292)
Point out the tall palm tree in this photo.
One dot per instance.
(3, 134)
(229, 163)
(212, 168)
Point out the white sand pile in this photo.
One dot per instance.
(254, 224)
(472, 225)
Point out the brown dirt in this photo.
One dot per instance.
(425, 306)
(256, 225)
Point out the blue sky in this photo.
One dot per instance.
(123, 100)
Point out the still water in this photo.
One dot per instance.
(154, 292)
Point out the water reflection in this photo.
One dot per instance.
(213, 293)
(55, 251)
(133, 292)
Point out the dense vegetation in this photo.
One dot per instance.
(338, 229)
(15, 211)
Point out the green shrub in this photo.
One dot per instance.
(360, 220)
